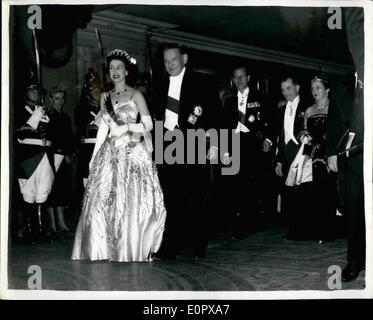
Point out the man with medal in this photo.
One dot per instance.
(243, 114)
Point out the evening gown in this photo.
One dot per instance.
(319, 196)
(123, 213)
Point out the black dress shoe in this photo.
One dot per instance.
(164, 256)
(288, 237)
(238, 236)
(351, 271)
(199, 256)
(292, 237)
(64, 234)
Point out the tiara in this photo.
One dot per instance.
(316, 78)
(122, 53)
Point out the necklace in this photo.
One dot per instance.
(120, 92)
(322, 106)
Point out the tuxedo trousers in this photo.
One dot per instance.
(291, 203)
(351, 193)
(185, 189)
(244, 188)
(313, 215)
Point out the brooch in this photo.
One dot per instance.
(251, 118)
(197, 112)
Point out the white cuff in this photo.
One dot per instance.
(147, 121)
(58, 160)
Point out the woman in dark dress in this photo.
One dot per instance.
(320, 194)
(61, 194)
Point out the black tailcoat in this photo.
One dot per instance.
(287, 152)
(185, 185)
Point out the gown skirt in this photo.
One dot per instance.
(123, 213)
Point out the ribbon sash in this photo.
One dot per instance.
(173, 105)
(241, 117)
(110, 110)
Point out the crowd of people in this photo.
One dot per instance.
(136, 209)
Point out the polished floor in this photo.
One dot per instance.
(263, 262)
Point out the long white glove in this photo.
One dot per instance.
(148, 124)
(36, 117)
(144, 126)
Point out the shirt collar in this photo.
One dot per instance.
(294, 102)
(58, 110)
(244, 94)
(179, 76)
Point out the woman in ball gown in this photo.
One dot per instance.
(123, 213)
(320, 195)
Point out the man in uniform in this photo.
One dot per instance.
(35, 163)
(85, 115)
(243, 113)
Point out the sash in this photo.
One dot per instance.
(110, 110)
(171, 113)
(173, 105)
(241, 117)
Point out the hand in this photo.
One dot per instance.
(39, 112)
(37, 116)
(212, 154)
(333, 163)
(306, 138)
(105, 95)
(278, 170)
(266, 145)
(226, 159)
(117, 131)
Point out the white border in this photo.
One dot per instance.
(186, 295)
(4, 194)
